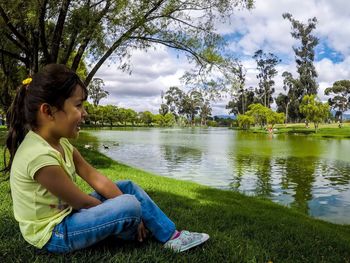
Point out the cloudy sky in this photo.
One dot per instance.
(247, 31)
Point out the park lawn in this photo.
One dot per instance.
(242, 229)
(325, 130)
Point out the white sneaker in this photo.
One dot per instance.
(186, 240)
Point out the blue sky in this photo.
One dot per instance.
(246, 31)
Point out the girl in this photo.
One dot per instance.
(52, 212)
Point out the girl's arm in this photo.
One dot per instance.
(56, 181)
(101, 184)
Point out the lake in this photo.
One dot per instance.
(310, 174)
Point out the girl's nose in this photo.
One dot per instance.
(84, 113)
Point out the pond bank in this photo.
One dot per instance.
(242, 229)
(325, 130)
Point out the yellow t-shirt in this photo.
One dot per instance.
(35, 208)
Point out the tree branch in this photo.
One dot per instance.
(56, 39)
(117, 43)
(87, 39)
(42, 31)
(69, 49)
(13, 55)
(14, 41)
(12, 28)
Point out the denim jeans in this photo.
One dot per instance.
(119, 216)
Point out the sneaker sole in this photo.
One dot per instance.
(205, 238)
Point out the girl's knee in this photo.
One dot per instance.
(127, 186)
(130, 205)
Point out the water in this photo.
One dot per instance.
(309, 174)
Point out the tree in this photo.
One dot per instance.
(288, 103)
(304, 55)
(146, 117)
(174, 97)
(259, 113)
(314, 110)
(241, 97)
(164, 109)
(241, 102)
(96, 91)
(273, 118)
(205, 112)
(340, 101)
(266, 64)
(54, 31)
(245, 121)
(110, 113)
(191, 104)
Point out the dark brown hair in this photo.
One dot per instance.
(53, 85)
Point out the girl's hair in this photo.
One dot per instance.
(53, 85)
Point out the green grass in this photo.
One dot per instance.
(242, 229)
(325, 130)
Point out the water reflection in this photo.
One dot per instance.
(176, 156)
(309, 174)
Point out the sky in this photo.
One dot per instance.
(263, 27)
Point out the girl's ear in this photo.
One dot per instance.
(45, 109)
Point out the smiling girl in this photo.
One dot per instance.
(52, 212)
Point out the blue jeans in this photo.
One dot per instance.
(119, 217)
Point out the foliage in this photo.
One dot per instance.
(241, 102)
(304, 58)
(56, 31)
(96, 91)
(266, 64)
(166, 120)
(314, 110)
(188, 104)
(245, 121)
(241, 97)
(259, 113)
(146, 117)
(305, 54)
(341, 97)
(273, 118)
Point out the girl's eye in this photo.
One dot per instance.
(79, 105)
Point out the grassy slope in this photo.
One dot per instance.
(242, 229)
(325, 130)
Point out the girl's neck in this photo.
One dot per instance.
(47, 136)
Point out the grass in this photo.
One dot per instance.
(242, 229)
(325, 130)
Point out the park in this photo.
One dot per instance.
(249, 146)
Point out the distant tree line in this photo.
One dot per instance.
(111, 115)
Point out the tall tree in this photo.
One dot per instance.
(266, 64)
(341, 97)
(173, 98)
(241, 101)
(191, 105)
(54, 31)
(288, 103)
(304, 55)
(241, 97)
(96, 91)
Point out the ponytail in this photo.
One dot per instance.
(17, 125)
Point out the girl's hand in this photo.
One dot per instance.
(142, 232)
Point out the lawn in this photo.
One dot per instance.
(325, 130)
(242, 229)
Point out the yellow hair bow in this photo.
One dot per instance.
(27, 81)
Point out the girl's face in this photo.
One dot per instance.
(68, 120)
